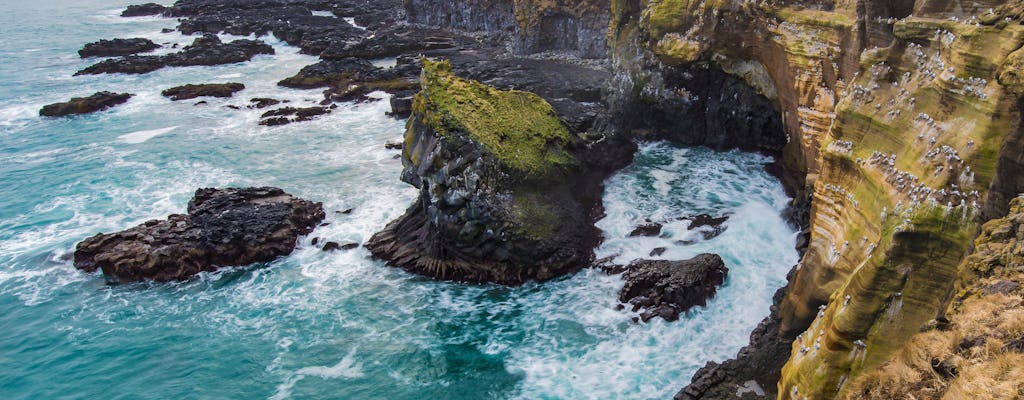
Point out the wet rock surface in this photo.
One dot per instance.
(142, 10)
(84, 105)
(648, 229)
(287, 115)
(223, 227)
(192, 91)
(663, 288)
(206, 50)
(117, 47)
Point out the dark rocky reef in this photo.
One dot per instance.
(287, 115)
(192, 91)
(84, 105)
(207, 50)
(665, 288)
(223, 227)
(117, 47)
(142, 10)
(506, 190)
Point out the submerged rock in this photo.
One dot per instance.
(84, 105)
(142, 10)
(665, 288)
(287, 115)
(712, 226)
(207, 50)
(192, 91)
(223, 227)
(649, 229)
(117, 47)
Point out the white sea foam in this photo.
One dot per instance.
(142, 136)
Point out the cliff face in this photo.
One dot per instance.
(574, 26)
(976, 352)
(903, 119)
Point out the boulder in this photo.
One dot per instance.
(84, 105)
(287, 115)
(117, 47)
(142, 10)
(648, 229)
(663, 288)
(191, 91)
(223, 227)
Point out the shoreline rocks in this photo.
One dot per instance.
(663, 288)
(117, 47)
(192, 91)
(206, 50)
(143, 10)
(84, 105)
(223, 227)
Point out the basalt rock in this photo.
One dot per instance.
(665, 288)
(192, 91)
(503, 197)
(84, 105)
(117, 47)
(223, 227)
(207, 50)
(287, 115)
(142, 10)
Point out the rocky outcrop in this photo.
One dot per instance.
(207, 50)
(117, 47)
(503, 193)
(191, 91)
(84, 105)
(667, 288)
(223, 227)
(142, 10)
(287, 115)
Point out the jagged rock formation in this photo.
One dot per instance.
(84, 105)
(117, 47)
(143, 10)
(191, 91)
(503, 193)
(223, 227)
(665, 288)
(207, 50)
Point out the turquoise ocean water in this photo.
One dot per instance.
(318, 325)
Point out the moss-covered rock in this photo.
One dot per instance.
(503, 195)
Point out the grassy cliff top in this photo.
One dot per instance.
(519, 128)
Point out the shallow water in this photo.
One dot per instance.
(315, 324)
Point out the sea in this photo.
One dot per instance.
(315, 324)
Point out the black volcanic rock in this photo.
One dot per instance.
(325, 72)
(192, 91)
(287, 115)
(648, 229)
(223, 227)
(117, 47)
(84, 105)
(207, 50)
(713, 226)
(142, 10)
(666, 288)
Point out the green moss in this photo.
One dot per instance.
(533, 218)
(676, 50)
(519, 128)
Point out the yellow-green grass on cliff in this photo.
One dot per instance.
(519, 129)
(978, 356)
